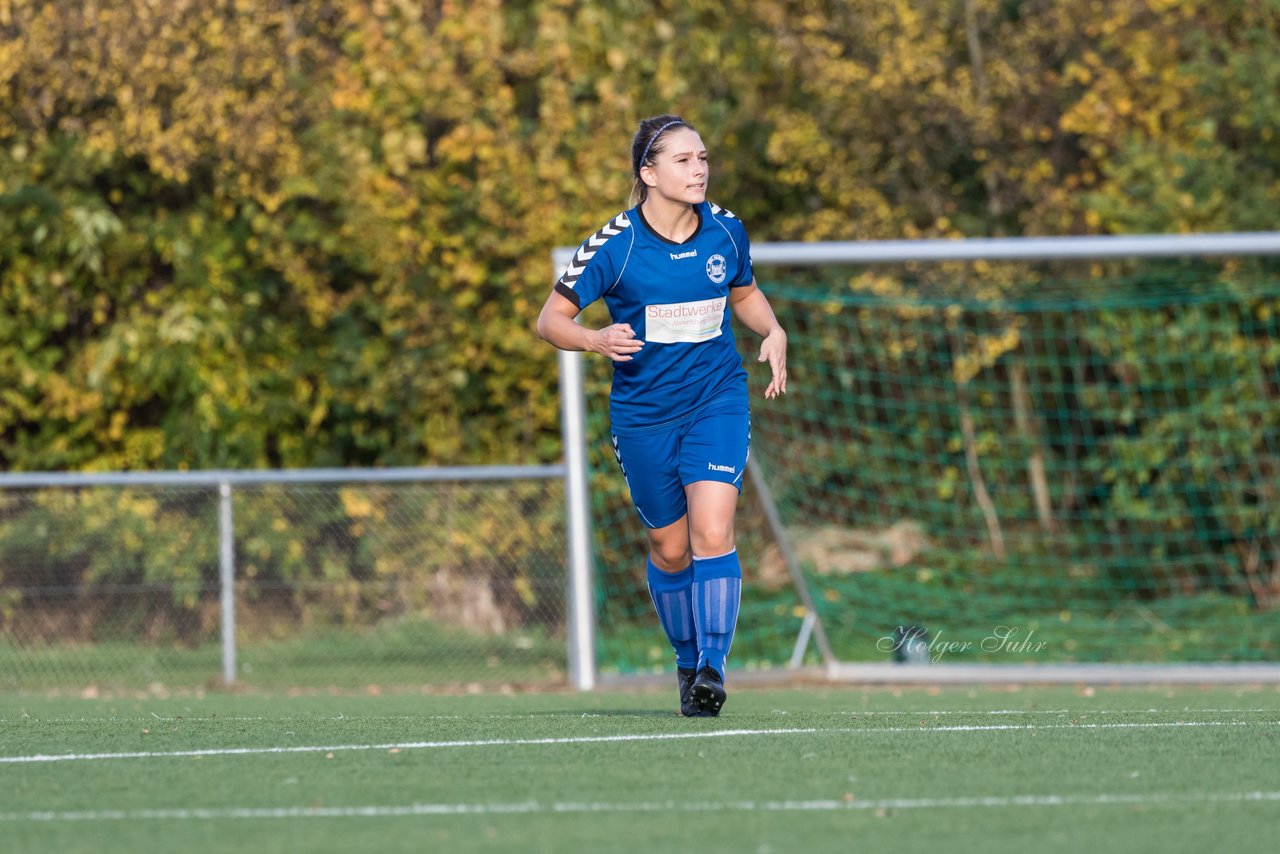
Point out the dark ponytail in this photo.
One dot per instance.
(647, 144)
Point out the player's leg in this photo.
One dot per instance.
(670, 577)
(713, 460)
(717, 585)
(650, 465)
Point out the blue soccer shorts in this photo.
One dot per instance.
(659, 464)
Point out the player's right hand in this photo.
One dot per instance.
(618, 342)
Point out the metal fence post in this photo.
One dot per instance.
(582, 634)
(227, 582)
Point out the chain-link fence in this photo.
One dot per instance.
(441, 582)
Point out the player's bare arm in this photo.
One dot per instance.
(751, 307)
(557, 327)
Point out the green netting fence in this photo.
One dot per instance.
(1033, 465)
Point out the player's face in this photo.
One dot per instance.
(680, 170)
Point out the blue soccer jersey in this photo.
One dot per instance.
(675, 297)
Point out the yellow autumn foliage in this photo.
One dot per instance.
(249, 234)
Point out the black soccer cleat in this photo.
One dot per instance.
(688, 708)
(708, 692)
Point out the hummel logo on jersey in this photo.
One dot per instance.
(716, 269)
(692, 253)
(729, 469)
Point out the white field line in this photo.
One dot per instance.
(1083, 712)
(601, 739)
(563, 807)
(857, 713)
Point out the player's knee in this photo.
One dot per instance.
(671, 558)
(712, 540)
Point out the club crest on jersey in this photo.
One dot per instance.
(716, 269)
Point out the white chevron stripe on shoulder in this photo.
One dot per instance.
(612, 228)
(591, 245)
(716, 210)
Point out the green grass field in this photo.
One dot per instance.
(395, 653)
(802, 769)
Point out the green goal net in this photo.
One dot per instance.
(1026, 463)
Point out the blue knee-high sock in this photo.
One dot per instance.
(673, 600)
(717, 589)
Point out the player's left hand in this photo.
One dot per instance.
(774, 351)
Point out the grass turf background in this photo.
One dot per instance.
(868, 744)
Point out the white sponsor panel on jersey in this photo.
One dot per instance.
(684, 322)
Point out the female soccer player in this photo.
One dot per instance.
(667, 269)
